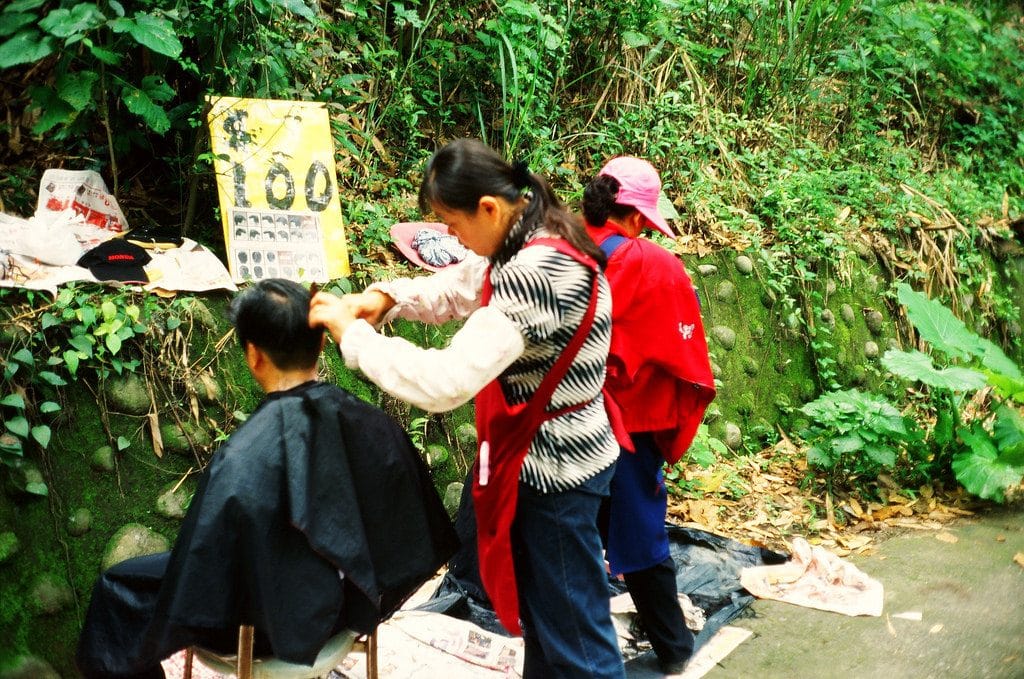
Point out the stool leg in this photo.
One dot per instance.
(371, 655)
(187, 673)
(245, 643)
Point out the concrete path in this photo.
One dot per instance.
(969, 594)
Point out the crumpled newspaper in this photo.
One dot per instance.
(816, 578)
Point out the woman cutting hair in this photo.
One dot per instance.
(532, 352)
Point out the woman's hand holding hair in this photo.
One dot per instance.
(331, 312)
(370, 305)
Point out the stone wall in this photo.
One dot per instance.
(106, 504)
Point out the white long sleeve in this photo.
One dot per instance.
(436, 380)
(452, 293)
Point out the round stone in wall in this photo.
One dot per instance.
(173, 501)
(846, 313)
(128, 394)
(870, 349)
(707, 270)
(732, 436)
(131, 540)
(9, 546)
(103, 459)
(79, 522)
(828, 318)
(452, 497)
(875, 320)
(28, 667)
(51, 594)
(725, 292)
(725, 336)
(744, 264)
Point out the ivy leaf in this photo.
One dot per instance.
(47, 407)
(26, 47)
(83, 343)
(65, 23)
(52, 378)
(71, 361)
(37, 488)
(17, 426)
(938, 326)
(12, 22)
(150, 31)
(24, 356)
(49, 320)
(980, 470)
(42, 435)
(113, 343)
(914, 365)
(139, 103)
(122, 443)
(14, 401)
(76, 88)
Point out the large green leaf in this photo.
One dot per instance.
(76, 88)
(151, 31)
(297, 7)
(1008, 387)
(12, 22)
(1008, 432)
(139, 103)
(27, 47)
(980, 469)
(993, 358)
(22, 5)
(158, 90)
(938, 326)
(55, 111)
(914, 365)
(65, 23)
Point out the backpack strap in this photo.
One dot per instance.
(612, 243)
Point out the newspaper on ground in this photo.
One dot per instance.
(816, 578)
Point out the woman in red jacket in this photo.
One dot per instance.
(660, 375)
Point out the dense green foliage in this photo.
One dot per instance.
(803, 132)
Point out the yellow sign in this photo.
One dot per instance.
(279, 200)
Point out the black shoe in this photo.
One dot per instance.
(672, 666)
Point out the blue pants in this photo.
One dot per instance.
(563, 587)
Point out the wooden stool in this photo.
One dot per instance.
(244, 666)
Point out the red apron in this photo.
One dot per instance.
(505, 433)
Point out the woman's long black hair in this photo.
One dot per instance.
(465, 170)
(599, 201)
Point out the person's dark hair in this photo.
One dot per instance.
(273, 314)
(462, 172)
(599, 201)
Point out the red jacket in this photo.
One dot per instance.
(658, 369)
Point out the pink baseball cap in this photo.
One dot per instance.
(639, 187)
